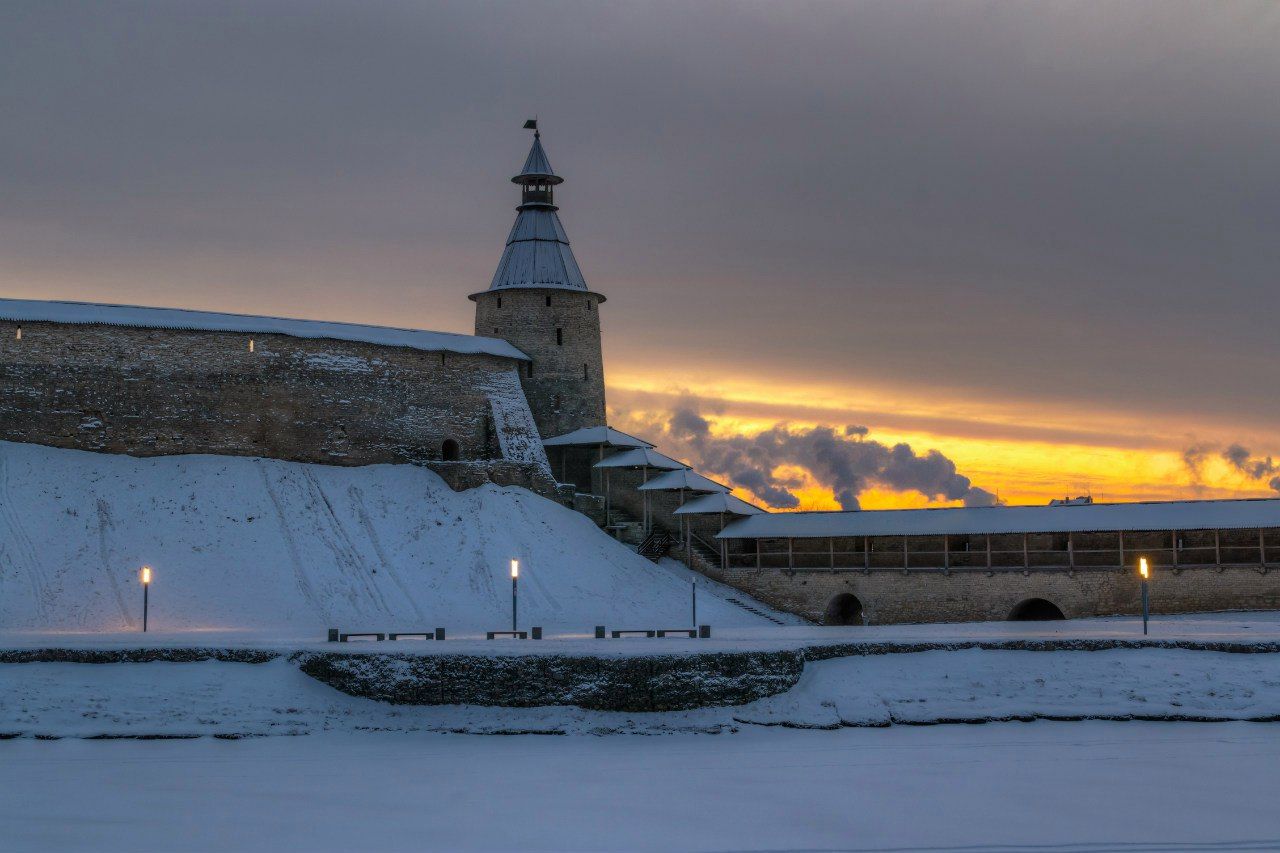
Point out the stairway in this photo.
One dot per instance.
(656, 545)
(754, 610)
(625, 527)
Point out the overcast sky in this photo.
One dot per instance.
(1067, 214)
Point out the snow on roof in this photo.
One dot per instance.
(1164, 515)
(33, 311)
(538, 255)
(682, 479)
(716, 503)
(594, 436)
(640, 457)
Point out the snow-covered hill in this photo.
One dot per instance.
(289, 549)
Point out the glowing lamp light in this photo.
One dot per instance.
(515, 568)
(145, 575)
(1143, 569)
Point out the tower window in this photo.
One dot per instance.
(584, 371)
(557, 403)
(548, 301)
(495, 330)
(499, 301)
(560, 337)
(528, 368)
(250, 344)
(442, 359)
(18, 335)
(449, 451)
(588, 304)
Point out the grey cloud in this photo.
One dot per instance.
(1255, 468)
(1193, 459)
(846, 462)
(865, 190)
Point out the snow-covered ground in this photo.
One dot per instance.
(260, 548)
(1078, 787)
(275, 698)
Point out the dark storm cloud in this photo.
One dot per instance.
(844, 461)
(1070, 202)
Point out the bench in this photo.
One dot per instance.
(437, 634)
(369, 635)
(641, 632)
(691, 633)
(519, 635)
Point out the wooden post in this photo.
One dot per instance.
(1262, 548)
(1217, 548)
(988, 550)
(906, 560)
(1026, 556)
(724, 548)
(1071, 550)
(1175, 548)
(757, 554)
(1122, 549)
(831, 545)
(791, 560)
(946, 551)
(644, 502)
(866, 552)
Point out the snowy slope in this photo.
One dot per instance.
(286, 549)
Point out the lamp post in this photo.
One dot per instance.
(1145, 572)
(694, 585)
(515, 580)
(145, 577)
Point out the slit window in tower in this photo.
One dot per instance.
(250, 344)
(588, 304)
(548, 301)
(528, 368)
(499, 301)
(560, 337)
(584, 371)
(18, 335)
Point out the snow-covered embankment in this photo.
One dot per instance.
(286, 550)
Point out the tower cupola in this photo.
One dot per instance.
(537, 179)
(539, 301)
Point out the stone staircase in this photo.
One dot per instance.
(754, 610)
(625, 527)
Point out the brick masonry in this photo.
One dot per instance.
(152, 392)
(889, 597)
(566, 387)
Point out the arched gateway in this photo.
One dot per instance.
(1035, 610)
(844, 609)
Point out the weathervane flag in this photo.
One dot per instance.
(531, 124)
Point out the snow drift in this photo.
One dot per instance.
(290, 549)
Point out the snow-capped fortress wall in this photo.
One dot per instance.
(165, 391)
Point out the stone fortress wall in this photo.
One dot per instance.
(152, 392)
(560, 331)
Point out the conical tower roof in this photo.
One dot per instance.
(537, 254)
(536, 165)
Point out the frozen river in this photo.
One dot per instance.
(1083, 786)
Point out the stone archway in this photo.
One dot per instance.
(843, 609)
(1036, 610)
(450, 451)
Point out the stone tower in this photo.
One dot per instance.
(539, 302)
